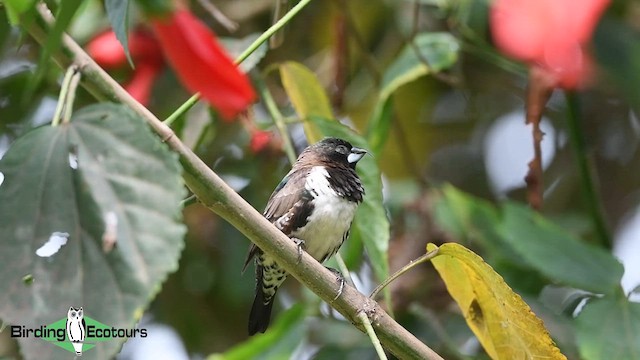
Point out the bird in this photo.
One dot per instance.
(314, 205)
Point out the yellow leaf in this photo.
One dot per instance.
(307, 96)
(502, 321)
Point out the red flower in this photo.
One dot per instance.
(201, 64)
(550, 34)
(142, 81)
(260, 140)
(106, 50)
(145, 52)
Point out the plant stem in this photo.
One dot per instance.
(586, 170)
(245, 54)
(424, 258)
(186, 106)
(64, 89)
(272, 30)
(372, 335)
(71, 94)
(277, 117)
(344, 269)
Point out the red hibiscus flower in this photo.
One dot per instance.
(550, 34)
(201, 63)
(145, 52)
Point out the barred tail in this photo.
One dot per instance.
(269, 277)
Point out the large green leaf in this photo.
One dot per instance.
(523, 237)
(307, 96)
(102, 192)
(279, 342)
(429, 53)
(16, 8)
(118, 14)
(557, 254)
(609, 328)
(370, 225)
(63, 16)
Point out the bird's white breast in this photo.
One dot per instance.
(330, 219)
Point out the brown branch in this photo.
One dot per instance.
(220, 198)
(538, 92)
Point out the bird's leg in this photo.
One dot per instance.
(340, 280)
(301, 245)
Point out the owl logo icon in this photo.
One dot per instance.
(76, 328)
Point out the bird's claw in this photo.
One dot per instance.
(300, 244)
(340, 280)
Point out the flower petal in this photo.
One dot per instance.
(201, 63)
(142, 82)
(552, 34)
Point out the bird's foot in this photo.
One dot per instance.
(301, 245)
(340, 280)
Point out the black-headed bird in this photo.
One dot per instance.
(314, 205)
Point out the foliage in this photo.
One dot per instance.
(420, 84)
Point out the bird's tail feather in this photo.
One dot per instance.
(260, 313)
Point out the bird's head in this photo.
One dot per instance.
(336, 151)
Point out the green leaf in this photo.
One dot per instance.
(118, 14)
(518, 234)
(609, 329)
(617, 48)
(468, 218)
(557, 254)
(435, 52)
(15, 8)
(283, 337)
(307, 96)
(370, 225)
(118, 212)
(64, 15)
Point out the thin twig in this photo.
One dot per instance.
(190, 200)
(186, 106)
(586, 169)
(64, 89)
(218, 15)
(277, 117)
(539, 91)
(71, 94)
(272, 30)
(424, 258)
(344, 269)
(364, 319)
(194, 99)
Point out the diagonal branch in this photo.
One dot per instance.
(221, 199)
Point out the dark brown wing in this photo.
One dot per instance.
(288, 207)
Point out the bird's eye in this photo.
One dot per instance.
(342, 149)
(73, 314)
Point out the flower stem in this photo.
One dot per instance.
(64, 89)
(364, 319)
(272, 30)
(424, 258)
(71, 94)
(186, 106)
(264, 37)
(587, 173)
